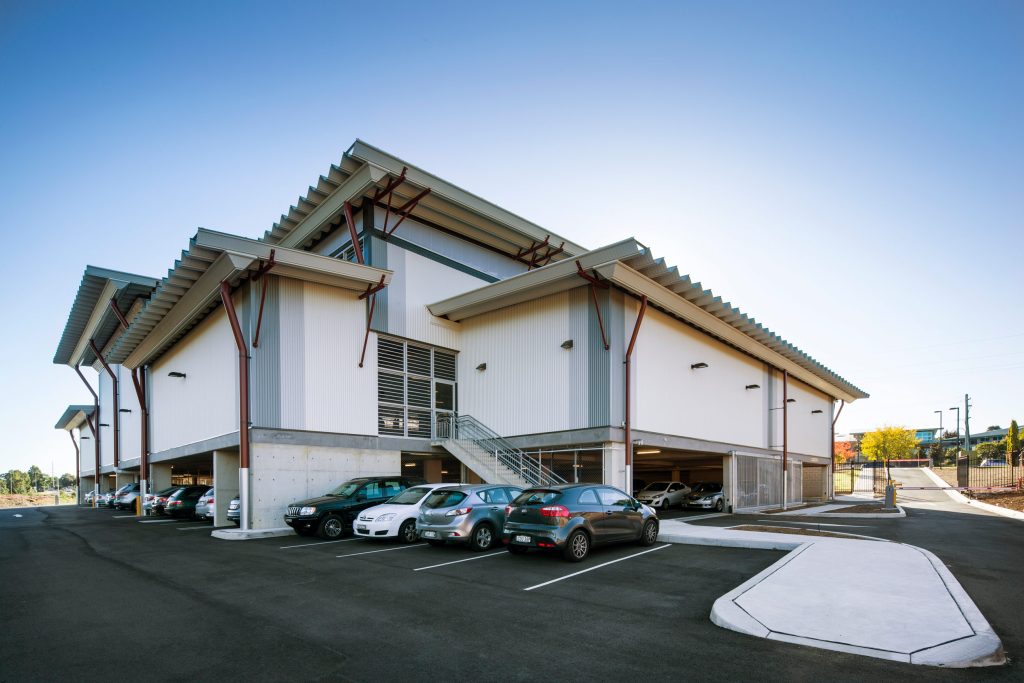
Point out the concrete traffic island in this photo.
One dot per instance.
(249, 534)
(897, 602)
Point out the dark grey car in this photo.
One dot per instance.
(469, 513)
(574, 517)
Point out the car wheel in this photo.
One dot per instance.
(436, 542)
(719, 505)
(482, 537)
(665, 504)
(517, 549)
(649, 534)
(331, 527)
(407, 532)
(577, 547)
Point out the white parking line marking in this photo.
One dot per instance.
(468, 559)
(158, 521)
(306, 545)
(194, 528)
(786, 521)
(124, 516)
(385, 550)
(590, 569)
(690, 519)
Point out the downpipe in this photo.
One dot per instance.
(243, 404)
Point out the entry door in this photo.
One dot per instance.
(445, 404)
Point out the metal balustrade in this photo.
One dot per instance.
(503, 456)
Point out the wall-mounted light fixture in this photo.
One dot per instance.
(86, 437)
(815, 412)
(104, 424)
(698, 366)
(176, 374)
(790, 400)
(753, 386)
(567, 344)
(482, 367)
(124, 410)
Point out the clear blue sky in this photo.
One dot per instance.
(850, 174)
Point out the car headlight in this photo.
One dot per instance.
(307, 511)
(386, 517)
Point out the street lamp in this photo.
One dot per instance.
(957, 409)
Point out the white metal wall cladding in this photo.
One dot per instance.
(322, 387)
(419, 281)
(106, 416)
(531, 383)
(809, 433)
(205, 403)
(131, 437)
(87, 454)
(709, 403)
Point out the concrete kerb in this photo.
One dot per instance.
(961, 498)
(830, 511)
(976, 644)
(249, 534)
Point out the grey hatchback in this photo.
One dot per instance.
(469, 513)
(574, 517)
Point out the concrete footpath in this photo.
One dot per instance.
(863, 596)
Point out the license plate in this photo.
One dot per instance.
(522, 539)
(361, 527)
(429, 534)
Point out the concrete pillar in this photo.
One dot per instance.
(432, 470)
(85, 485)
(160, 475)
(614, 465)
(728, 482)
(225, 484)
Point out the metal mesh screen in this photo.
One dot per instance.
(758, 482)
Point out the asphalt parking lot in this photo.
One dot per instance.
(88, 593)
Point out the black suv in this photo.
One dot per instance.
(331, 515)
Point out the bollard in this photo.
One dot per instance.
(890, 496)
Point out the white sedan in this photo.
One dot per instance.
(664, 494)
(395, 518)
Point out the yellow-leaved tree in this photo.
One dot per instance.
(888, 443)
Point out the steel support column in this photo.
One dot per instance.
(628, 422)
(243, 402)
(785, 436)
(139, 381)
(78, 467)
(94, 428)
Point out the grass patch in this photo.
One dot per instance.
(865, 508)
(20, 500)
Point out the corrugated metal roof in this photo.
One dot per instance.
(70, 414)
(447, 205)
(191, 265)
(94, 280)
(669, 277)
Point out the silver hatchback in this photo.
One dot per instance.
(470, 513)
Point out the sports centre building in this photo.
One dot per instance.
(392, 322)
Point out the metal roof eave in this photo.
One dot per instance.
(91, 317)
(73, 416)
(216, 257)
(667, 300)
(556, 277)
(458, 196)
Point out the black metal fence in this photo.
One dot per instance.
(980, 474)
(844, 477)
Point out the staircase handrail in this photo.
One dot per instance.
(466, 427)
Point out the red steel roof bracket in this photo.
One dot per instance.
(116, 400)
(352, 232)
(404, 211)
(117, 312)
(263, 270)
(371, 292)
(594, 284)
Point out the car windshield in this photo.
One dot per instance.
(444, 498)
(656, 486)
(537, 497)
(707, 488)
(348, 489)
(410, 496)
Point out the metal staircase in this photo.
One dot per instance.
(491, 457)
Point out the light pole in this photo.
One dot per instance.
(940, 435)
(957, 409)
